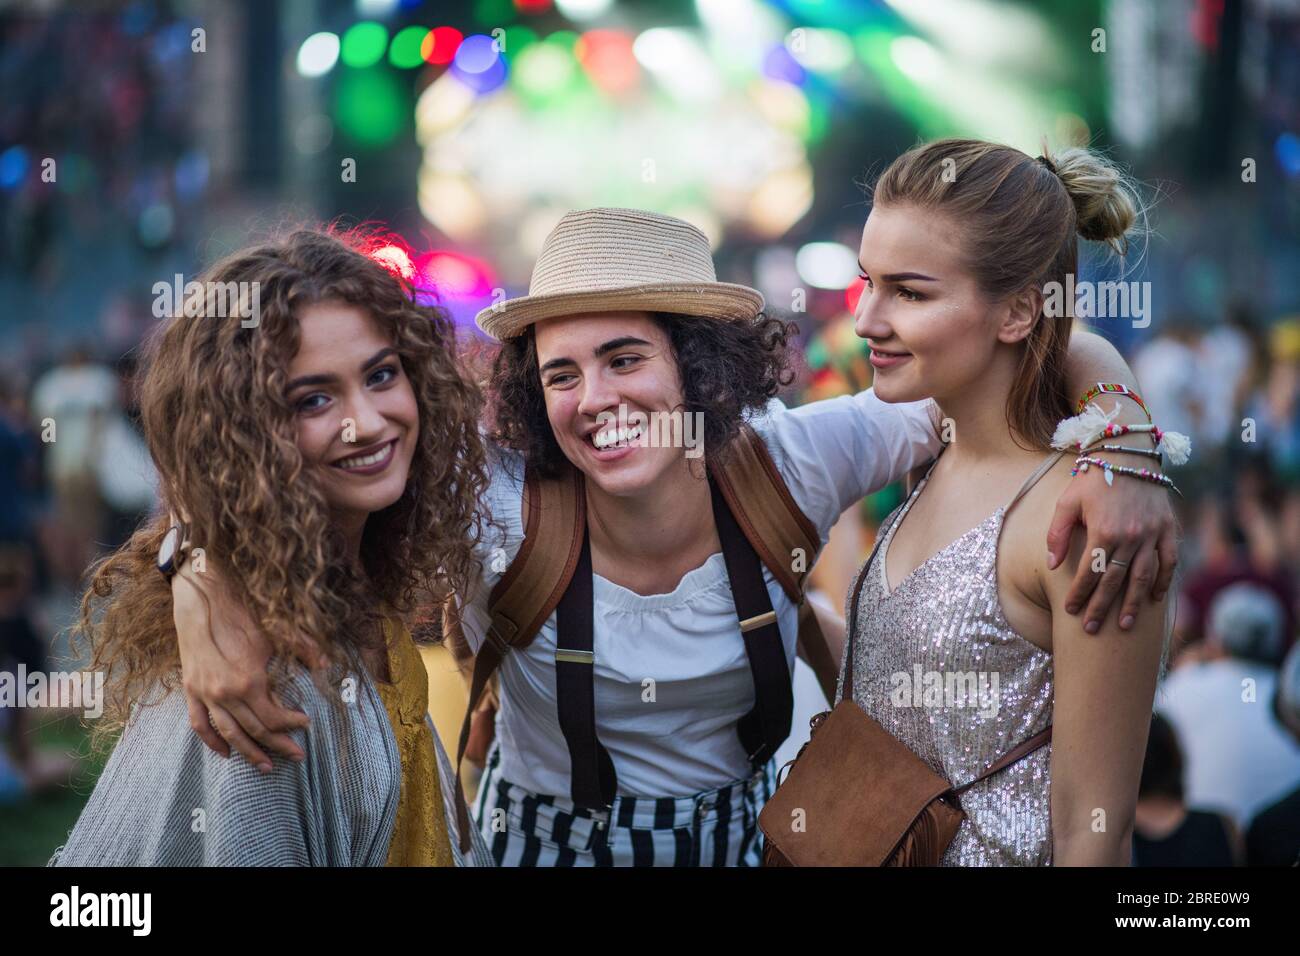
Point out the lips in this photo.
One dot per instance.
(614, 437)
(882, 359)
(368, 461)
(610, 443)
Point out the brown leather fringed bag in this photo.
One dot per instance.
(857, 796)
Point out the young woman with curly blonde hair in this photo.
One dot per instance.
(327, 465)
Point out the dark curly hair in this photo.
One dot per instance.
(727, 368)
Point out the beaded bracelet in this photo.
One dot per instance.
(1082, 463)
(1093, 425)
(1149, 452)
(1111, 388)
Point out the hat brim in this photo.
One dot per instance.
(714, 300)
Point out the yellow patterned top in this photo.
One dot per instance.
(420, 833)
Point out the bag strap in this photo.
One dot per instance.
(527, 593)
(756, 495)
(532, 586)
(766, 512)
(854, 593)
(1020, 751)
(1016, 753)
(779, 531)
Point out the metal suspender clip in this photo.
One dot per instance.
(757, 621)
(574, 657)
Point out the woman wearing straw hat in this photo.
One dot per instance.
(625, 322)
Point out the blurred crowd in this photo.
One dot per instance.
(1221, 783)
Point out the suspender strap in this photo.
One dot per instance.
(593, 781)
(761, 731)
(764, 728)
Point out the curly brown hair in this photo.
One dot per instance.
(728, 367)
(223, 437)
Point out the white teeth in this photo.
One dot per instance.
(613, 437)
(363, 461)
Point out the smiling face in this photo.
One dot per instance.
(591, 364)
(931, 329)
(347, 382)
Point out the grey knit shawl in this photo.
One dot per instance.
(165, 799)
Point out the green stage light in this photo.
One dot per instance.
(493, 13)
(363, 44)
(369, 107)
(406, 49)
(543, 70)
(564, 38)
(518, 39)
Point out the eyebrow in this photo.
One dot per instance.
(901, 276)
(600, 350)
(328, 379)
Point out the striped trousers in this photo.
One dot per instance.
(715, 828)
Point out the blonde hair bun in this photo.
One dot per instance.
(1105, 201)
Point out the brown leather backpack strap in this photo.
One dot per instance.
(816, 649)
(1019, 752)
(766, 511)
(532, 586)
(778, 531)
(528, 592)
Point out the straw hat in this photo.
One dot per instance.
(601, 260)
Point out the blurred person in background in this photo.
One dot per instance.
(1239, 757)
(1275, 406)
(1165, 831)
(1170, 370)
(1226, 357)
(127, 480)
(20, 468)
(1274, 835)
(24, 768)
(1239, 536)
(70, 405)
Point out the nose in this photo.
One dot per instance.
(869, 320)
(598, 394)
(365, 413)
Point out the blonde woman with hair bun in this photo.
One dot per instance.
(956, 271)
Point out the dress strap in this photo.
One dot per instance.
(926, 477)
(1041, 470)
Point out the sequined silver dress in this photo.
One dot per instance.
(937, 665)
